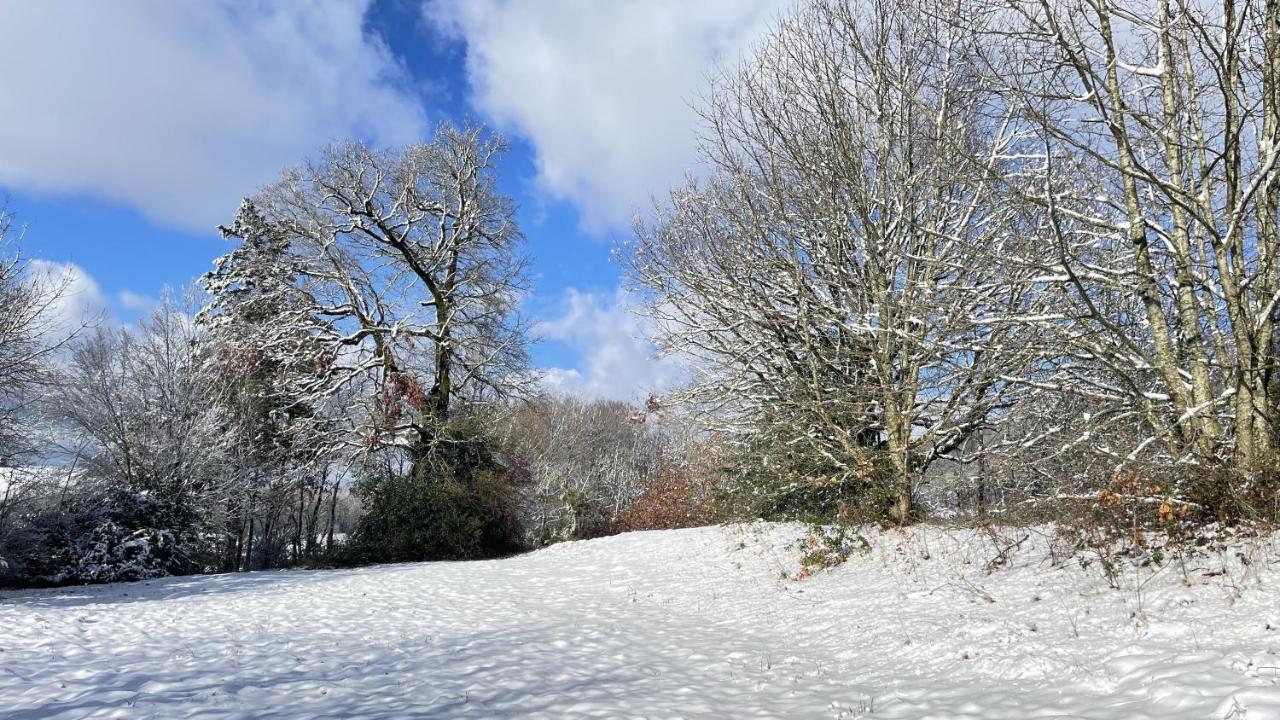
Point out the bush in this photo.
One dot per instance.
(106, 535)
(798, 487)
(1133, 521)
(674, 500)
(110, 553)
(456, 504)
(827, 547)
(26, 550)
(412, 517)
(1229, 495)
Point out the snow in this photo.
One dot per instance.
(691, 623)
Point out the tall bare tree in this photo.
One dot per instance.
(823, 279)
(402, 267)
(31, 336)
(1148, 144)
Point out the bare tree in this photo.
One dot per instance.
(141, 407)
(823, 280)
(138, 409)
(403, 267)
(31, 335)
(585, 462)
(1147, 148)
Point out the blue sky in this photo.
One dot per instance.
(133, 128)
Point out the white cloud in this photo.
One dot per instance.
(136, 302)
(180, 108)
(618, 361)
(81, 302)
(604, 91)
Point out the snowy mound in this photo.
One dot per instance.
(690, 623)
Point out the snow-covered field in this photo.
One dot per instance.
(690, 623)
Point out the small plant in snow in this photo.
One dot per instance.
(828, 546)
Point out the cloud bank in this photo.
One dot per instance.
(603, 91)
(177, 109)
(618, 362)
(80, 303)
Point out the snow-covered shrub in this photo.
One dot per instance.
(110, 553)
(25, 548)
(1136, 520)
(827, 546)
(107, 535)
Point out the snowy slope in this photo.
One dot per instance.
(691, 623)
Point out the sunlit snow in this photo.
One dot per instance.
(692, 623)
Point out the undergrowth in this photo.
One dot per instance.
(827, 546)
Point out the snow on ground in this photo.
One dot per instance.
(692, 623)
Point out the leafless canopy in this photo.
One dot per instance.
(825, 278)
(398, 270)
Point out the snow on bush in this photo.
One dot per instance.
(110, 553)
